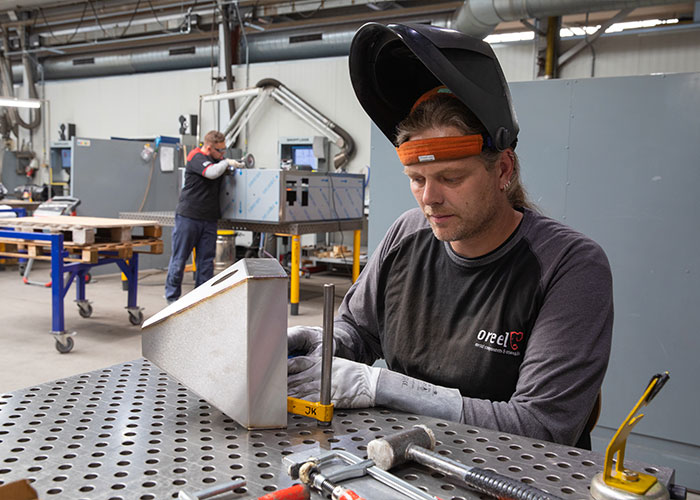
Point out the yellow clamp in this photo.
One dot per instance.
(323, 413)
(626, 479)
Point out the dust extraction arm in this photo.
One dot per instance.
(255, 96)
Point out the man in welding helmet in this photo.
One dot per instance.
(486, 312)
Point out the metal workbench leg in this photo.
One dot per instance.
(130, 268)
(64, 343)
(79, 273)
(294, 278)
(80, 285)
(357, 236)
(57, 318)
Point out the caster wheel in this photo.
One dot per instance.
(21, 269)
(136, 318)
(88, 277)
(85, 310)
(65, 348)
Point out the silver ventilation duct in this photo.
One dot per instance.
(121, 63)
(474, 17)
(479, 17)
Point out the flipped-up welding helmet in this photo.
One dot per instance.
(392, 66)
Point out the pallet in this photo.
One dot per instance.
(88, 254)
(87, 230)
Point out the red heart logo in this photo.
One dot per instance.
(515, 337)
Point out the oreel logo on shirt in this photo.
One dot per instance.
(508, 343)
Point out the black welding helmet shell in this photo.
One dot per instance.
(392, 66)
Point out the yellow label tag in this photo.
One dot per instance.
(323, 413)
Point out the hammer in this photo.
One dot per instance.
(416, 444)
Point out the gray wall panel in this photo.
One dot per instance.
(633, 188)
(390, 194)
(543, 142)
(109, 177)
(614, 158)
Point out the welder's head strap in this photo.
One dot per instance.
(440, 148)
(441, 90)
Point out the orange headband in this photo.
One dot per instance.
(441, 90)
(440, 148)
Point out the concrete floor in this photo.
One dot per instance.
(28, 356)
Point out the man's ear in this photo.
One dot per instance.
(506, 165)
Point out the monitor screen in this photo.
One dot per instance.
(304, 155)
(65, 158)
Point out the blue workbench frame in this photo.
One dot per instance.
(19, 211)
(59, 287)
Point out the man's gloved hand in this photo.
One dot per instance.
(353, 385)
(304, 340)
(232, 165)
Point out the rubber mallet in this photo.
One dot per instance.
(416, 444)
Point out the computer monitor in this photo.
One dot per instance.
(304, 155)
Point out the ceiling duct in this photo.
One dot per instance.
(186, 56)
(480, 17)
(475, 17)
(313, 43)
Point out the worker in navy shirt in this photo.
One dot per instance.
(486, 311)
(197, 213)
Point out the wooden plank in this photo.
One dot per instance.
(85, 253)
(97, 222)
(120, 234)
(153, 231)
(89, 256)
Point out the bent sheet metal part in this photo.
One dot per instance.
(226, 340)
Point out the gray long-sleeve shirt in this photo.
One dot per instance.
(523, 332)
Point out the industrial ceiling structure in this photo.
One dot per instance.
(78, 38)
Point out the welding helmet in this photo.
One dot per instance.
(392, 66)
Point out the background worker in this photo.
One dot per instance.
(197, 212)
(486, 312)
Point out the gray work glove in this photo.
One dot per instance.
(233, 165)
(353, 385)
(304, 340)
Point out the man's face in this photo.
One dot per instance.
(460, 198)
(217, 150)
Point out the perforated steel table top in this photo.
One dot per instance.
(131, 432)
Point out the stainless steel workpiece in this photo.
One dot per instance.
(132, 432)
(226, 340)
(327, 353)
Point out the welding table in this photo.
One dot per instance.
(293, 229)
(131, 432)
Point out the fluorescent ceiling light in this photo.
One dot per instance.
(14, 102)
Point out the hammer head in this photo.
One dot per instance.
(390, 451)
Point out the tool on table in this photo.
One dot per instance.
(416, 444)
(623, 483)
(323, 410)
(310, 475)
(295, 492)
(338, 465)
(213, 491)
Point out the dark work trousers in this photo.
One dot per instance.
(189, 234)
